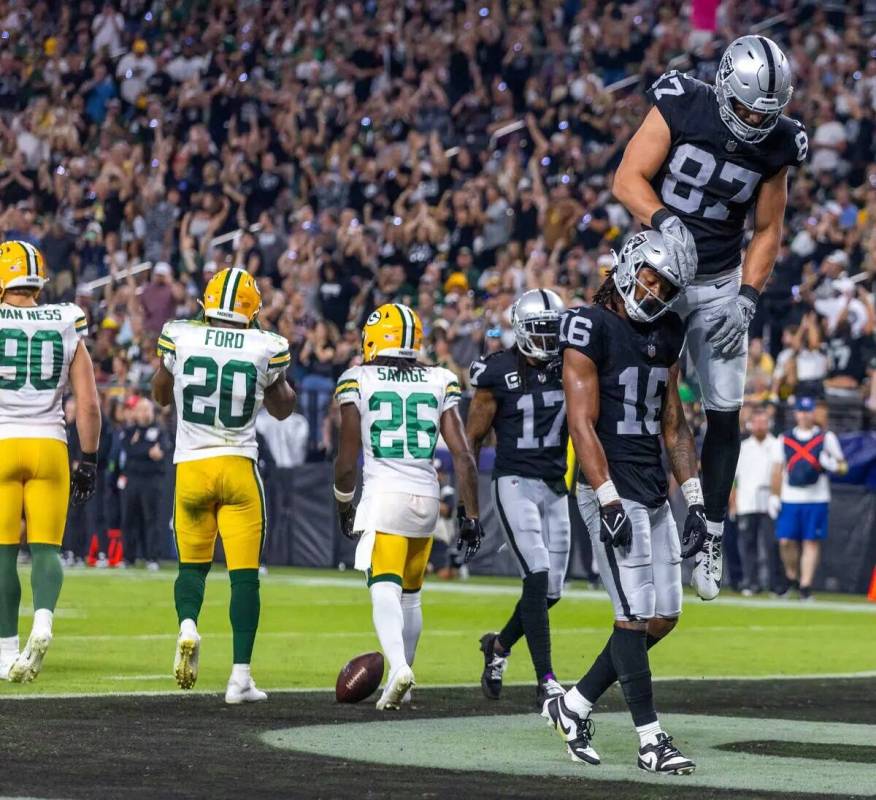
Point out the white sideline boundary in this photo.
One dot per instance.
(310, 689)
(476, 588)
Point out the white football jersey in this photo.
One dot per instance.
(219, 381)
(401, 412)
(37, 346)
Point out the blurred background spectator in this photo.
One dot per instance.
(445, 154)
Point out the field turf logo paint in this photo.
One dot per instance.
(800, 758)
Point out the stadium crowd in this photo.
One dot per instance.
(446, 154)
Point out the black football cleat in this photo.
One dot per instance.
(494, 667)
(664, 757)
(547, 688)
(576, 731)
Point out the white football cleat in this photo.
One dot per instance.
(7, 659)
(237, 693)
(30, 661)
(185, 662)
(396, 688)
(408, 698)
(708, 568)
(664, 757)
(576, 731)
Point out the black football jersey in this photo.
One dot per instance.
(530, 422)
(710, 179)
(633, 361)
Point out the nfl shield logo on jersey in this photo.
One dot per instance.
(730, 145)
(652, 350)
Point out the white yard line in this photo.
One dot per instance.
(307, 689)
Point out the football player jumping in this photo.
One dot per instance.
(520, 395)
(394, 409)
(219, 373)
(701, 159)
(620, 377)
(41, 351)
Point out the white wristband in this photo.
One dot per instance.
(607, 494)
(693, 492)
(344, 497)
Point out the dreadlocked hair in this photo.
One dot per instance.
(607, 291)
(401, 364)
(522, 368)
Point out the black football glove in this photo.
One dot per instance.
(83, 481)
(470, 534)
(694, 536)
(615, 526)
(347, 518)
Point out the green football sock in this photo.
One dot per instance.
(10, 590)
(46, 575)
(244, 612)
(188, 590)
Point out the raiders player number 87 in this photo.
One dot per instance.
(703, 157)
(620, 377)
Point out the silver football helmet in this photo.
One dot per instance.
(646, 249)
(535, 320)
(755, 74)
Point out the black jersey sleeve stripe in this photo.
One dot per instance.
(615, 576)
(771, 64)
(506, 527)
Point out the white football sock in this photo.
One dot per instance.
(241, 674)
(9, 646)
(648, 733)
(412, 613)
(188, 628)
(42, 620)
(716, 529)
(389, 622)
(575, 701)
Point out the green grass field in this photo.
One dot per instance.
(115, 632)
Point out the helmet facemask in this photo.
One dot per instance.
(539, 337)
(535, 320)
(644, 300)
(738, 88)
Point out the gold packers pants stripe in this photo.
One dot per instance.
(221, 495)
(400, 559)
(35, 483)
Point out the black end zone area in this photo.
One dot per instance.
(187, 746)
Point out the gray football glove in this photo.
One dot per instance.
(729, 324)
(681, 248)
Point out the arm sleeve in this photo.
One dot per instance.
(778, 454)
(347, 389)
(481, 376)
(279, 360)
(80, 322)
(452, 391)
(166, 345)
(672, 94)
(833, 446)
(582, 330)
(799, 147)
